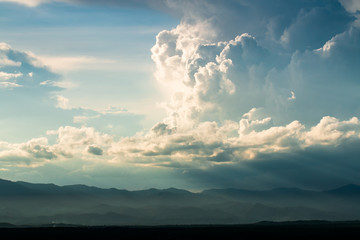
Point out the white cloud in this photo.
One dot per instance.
(38, 148)
(210, 84)
(4, 46)
(330, 131)
(29, 3)
(66, 64)
(4, 60)
(248, 123)
(209, 141)
(80, 119)
(351, 5)
(113, 110)
(214, 81)
(73, 141)
(46, 83)
(292, 97)
(18, 68)
(6, 76)
(63, 102)
(34, 153)
(9, 85)
(84, 119)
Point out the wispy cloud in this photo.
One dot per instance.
(29, 3)
(67, 64)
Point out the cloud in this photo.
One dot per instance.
(33, 153)
(21, 67)
(4, 60)
(95, 150)
(32, 90)
(157, 4)
(317, 20)
(68, 64)
(278, 21)
(9, 85)
(228, 70)
(256, 156)
(292, 97)
(83, 119)
(213, 83)
(26, 96)
(240, 141)
(73, 141)
(6, 76)
(29, 3)
(224, 77)
(330, 130)
(351, 5)
(38, 148)
(317, 167)
(62, 102)
(203, 75)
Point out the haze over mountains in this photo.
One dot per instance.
(23, 203)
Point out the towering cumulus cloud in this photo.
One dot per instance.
(261, 94)
(282, 85)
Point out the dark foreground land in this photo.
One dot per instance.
(285, 230)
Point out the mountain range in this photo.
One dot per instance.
(23, 203)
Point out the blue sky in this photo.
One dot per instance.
(188, 94)
(101, 54)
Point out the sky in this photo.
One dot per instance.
(177, 93)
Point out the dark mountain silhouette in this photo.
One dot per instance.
(9, 188)
(34, 204)
(347, 190)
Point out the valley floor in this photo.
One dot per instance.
(284, 230)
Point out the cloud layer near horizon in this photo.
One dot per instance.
(256, 98)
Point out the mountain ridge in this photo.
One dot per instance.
(50, 187)
(34, 204)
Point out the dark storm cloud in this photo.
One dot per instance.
(300, 24)
(296, 24)
(317, 167)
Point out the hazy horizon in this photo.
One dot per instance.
(31, 205)
(188, 190)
